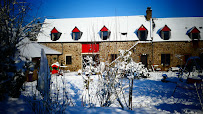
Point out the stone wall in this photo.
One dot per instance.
(108, 48)
(174, 49)
(69, 49)
(152, 50)
(143, 49)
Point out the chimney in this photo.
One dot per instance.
(148, 13)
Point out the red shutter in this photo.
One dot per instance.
(104, 29)
(142, 28)
(54, 30)
(166, 28)
(90, 48)
(75, 30)
(195, 30)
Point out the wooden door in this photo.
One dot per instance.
(144, 60)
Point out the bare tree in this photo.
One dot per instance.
(14, 28)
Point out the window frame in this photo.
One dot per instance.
(55, 36)
(165, 60)
(191, 33)
(106, 31)
(142, 33)
(197, 36)
(74, 36)
(165, 30)
(163, 35)
(107, 35)
(76, 31)
(113, 57)
(69, 63)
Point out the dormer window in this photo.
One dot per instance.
(55, 34)
(76, 34)
(142, 33)
(165, 33)
(104, 33)
(194, 33)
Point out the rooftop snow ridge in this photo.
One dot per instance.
(95, 17)
(91, 26)
(176, 17)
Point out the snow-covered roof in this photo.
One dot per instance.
(179, 28)
(30, 49)
(92, 26)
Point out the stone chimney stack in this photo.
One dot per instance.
(148, 13)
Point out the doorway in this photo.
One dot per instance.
(144, 60)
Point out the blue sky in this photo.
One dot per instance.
(102, 8)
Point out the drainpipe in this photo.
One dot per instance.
(151, 35)
(61, 49)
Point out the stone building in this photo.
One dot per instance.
(164, 42)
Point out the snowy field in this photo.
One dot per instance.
(150, 95)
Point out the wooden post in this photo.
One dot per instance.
(130, 93)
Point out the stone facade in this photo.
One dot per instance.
(153, 52)
(174, 49)
(69, 49)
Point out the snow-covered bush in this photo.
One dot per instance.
(110, 87)
(89, 66)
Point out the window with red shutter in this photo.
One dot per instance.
(76, 34)
(105, 33)
(165, 33)
(55, 34)
(142, 33)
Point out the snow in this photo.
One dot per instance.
(44, 76)
(92, 26)
(15, 106)
(31, 49)
(150, 95)
(117, 25)
(179, 28)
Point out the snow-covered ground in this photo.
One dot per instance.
(150, 95)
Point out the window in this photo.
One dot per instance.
(143, 59)
(165, 59)
(165, 33)
(124, 33)
(68, 60)
(194, 33)
(195, 36)
(104, 33)
(76, 34)
(55, 35)
(113, 57)
(142, 33)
